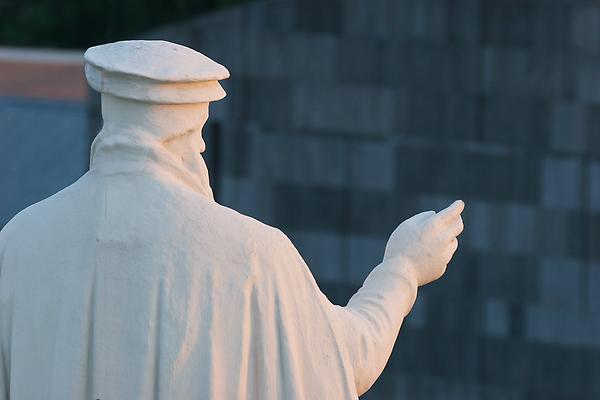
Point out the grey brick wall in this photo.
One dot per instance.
(345, 117)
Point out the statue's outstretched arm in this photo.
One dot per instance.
(417, 253)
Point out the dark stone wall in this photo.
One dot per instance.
(345, 117)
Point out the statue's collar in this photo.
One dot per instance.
(117, 152)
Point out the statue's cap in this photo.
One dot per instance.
(154, 71)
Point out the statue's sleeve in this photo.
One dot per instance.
(371, 320)
(369, 324)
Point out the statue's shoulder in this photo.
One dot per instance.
(40, 214)
(245, 224)
(250, 231)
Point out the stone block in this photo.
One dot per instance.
(234, 140)
(372, 165)
(431, 67)
(377, 213)
(507, 23)
(552, 232)
(367, 68)
(366, 19)
(560, 283)
(518, 229)
(327, 161)
(520, 71)
(426, 115)
(517, 320)
(318, 16)
(437, 388)
(511, 279)
(499, 176)
(551, 26)
(562, 327)
(414, 66)
(312, 56)
(301, 159)
(587, 78)
(503, 392)
(416, 20)
(458, 314)
(430, 171)
(478, 222)
(594, 237)
(516, 121)
(352, 109)
(425, 67)
(400, 20)
(564, 382)
(265, 55)
(594, 187)
(463, 72)
(517, 176)
(396, 64)
(496, 354)
(563, 233)
(461, 116)
(561, 183)
(272, 16)
(525, 171)
(405, 357)
(402, 112)
(322, 252)
(568, 127)
(593, 127)
(428, 20)
(464, 21)
(455, 356)
(401, 384)
(268, 102)
(593, 289)
(577, 234)
(489, 176)
(585, 24)
(227, 19)
(313, 208)
(364, 254)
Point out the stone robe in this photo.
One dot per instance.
(133, 283)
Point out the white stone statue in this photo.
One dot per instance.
(133, 283)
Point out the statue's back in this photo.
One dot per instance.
(125, 286)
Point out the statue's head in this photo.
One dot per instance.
(161, 87)
(155, 97)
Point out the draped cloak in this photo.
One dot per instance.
(133, 283)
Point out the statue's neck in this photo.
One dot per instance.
(166, 122)
(161, 138)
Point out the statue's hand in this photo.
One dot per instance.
(428, 240)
